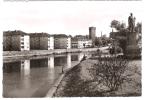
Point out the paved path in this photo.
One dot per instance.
(13, 54)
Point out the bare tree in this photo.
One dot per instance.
(109, 72)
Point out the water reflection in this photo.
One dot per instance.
(11, 67)
(51, 74)
(25, 67)
(24, 78)
(74, 57)
(80, 56)
(60, 60)
(25, 74)
(51, 61)
(69, 60)
(39, 63)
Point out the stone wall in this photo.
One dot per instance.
(132, 49)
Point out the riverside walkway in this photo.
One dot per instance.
(19, 54)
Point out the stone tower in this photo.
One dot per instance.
(92, 34)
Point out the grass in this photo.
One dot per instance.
(103, 77)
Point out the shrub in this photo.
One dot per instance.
(112, 50)
(109, 72)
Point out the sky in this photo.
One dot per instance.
(71, 18)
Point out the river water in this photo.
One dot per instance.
(33, 77)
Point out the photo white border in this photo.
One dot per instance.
(93, 98)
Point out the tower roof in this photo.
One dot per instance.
(92, 27)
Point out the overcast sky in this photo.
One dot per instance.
(67, 17)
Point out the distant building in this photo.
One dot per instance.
(41, 41)
(62, 41)
(50, 42)
(81, 42)
(74, 43)
(68, 42)
(15, 41)
(92, 34)
(84, 43)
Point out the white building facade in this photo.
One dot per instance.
(68, 42)
(50, 43)
(25, 43)
(84, 43)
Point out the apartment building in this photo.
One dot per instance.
(80, 41)
(41, 41)
(62, 41)
(15, 41)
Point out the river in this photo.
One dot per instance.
(33, 77)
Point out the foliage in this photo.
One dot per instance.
(112, 50)
(98, 42)
(138, 27)
(109, 72)
(119, 50)
(102, 41)
(105, 40)
(122, 32)
(116, 50)
(117, 25)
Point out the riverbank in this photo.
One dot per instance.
(53, 89)
(78, 82)
(21, 54)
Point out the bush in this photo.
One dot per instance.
(109, 72)
(118, 50)
(112, 50)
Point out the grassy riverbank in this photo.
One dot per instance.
(79, 82)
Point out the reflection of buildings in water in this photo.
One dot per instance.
(63, 61)
(80, 56)
(38, 63)
(69, 60)
(51, 75)
(25, 67)
(25, 74)
(12, 67)
(74, 57)
(60, 61)
(51, 61)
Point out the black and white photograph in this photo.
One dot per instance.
(53, 49)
